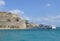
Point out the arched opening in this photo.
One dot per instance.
(8, 20)
(17, 19)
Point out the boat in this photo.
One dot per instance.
(53, 27)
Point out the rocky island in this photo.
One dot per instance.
(14, 21)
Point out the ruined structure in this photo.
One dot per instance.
(9, 20)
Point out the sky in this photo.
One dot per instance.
(37, 11)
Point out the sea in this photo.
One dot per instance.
(30, 35)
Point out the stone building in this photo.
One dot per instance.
(9, 20)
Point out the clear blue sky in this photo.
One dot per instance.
(39, 11)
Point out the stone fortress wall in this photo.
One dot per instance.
(9, 20)
(14, 21)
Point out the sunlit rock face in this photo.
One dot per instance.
(9, 20)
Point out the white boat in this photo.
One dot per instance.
(53, 27)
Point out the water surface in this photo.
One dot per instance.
(30, 35)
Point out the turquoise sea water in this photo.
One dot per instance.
(30, 35)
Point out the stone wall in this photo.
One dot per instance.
(8, 20)
(20, 25)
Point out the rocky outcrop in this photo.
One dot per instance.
(40, 26)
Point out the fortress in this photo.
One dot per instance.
(14, 21)
(9, 20)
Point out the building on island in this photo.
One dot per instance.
(14, 21)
